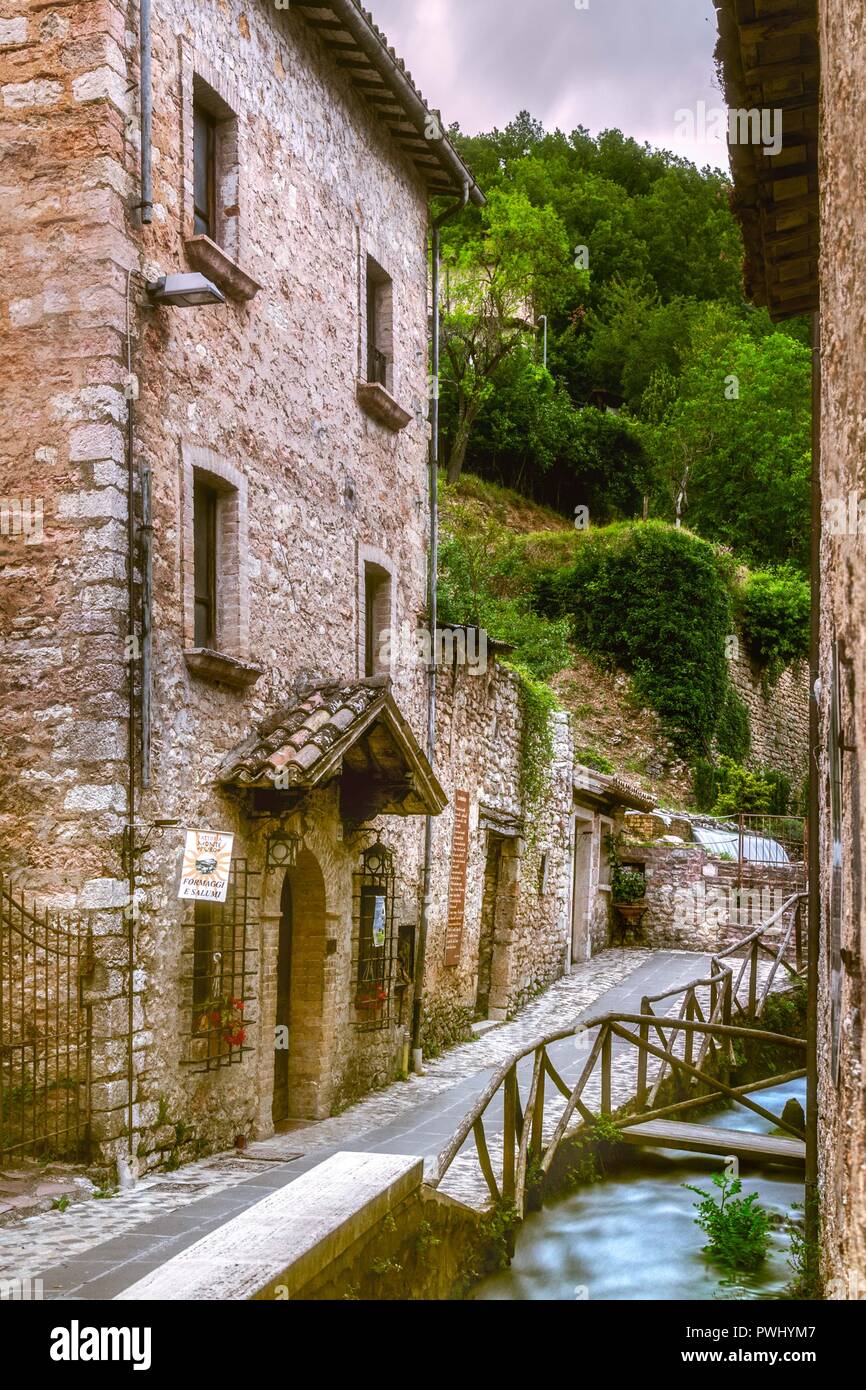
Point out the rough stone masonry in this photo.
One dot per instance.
(317, 480)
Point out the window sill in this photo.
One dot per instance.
(204, 255)
(214, 666)
(381, 406)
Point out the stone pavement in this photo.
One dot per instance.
(97, 1248)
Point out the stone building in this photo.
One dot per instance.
(806, 59)
(216, 519)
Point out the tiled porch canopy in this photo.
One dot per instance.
(353, 731)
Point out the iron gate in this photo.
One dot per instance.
(45, 1032)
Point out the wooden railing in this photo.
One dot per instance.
(707, 1038)
(756, 944)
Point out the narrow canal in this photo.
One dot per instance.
(632, 1235)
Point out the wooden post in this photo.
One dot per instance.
(606, 1050)
(535, 1139)
(753, 979)
(727, 1017)
(642, 1056)
(691, 1015)
(509, 1133)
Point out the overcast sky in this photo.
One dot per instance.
(627, 63)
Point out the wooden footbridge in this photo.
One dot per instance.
(709, 1139)
(690, 1050)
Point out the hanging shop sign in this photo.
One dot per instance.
(207, 862)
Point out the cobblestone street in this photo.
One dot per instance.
(96, 1247)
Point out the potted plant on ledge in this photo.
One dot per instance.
(627, 890)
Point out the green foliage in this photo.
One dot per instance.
(425, 1241)
(594, 1148)
(738, 1227)
(499, 1228)
(785, 1012)
(587, 757)
(653, 600)
(519, 256)
(655, 330)
(705, 786)
(61, 1203)
(537, 704)
(481, 581)
(780, 795)
(804, 1260)
(775, 607)
(740, 791)
(729, 438)
(627, 886)
(734, 731)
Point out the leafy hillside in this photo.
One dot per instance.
(628, 625)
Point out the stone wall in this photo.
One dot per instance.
(261, 394)
(480, 752)
(696, 903)
(778, 714)
(842, 1049)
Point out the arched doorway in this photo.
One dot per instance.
(301, 1069)
(282, 1033)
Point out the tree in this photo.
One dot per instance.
(733, 442)
(517, 267)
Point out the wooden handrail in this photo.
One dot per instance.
(522, 1130)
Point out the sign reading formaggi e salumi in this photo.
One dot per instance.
(207, 862)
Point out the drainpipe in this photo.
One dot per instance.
(146, 100)
(432, 606)
(812, 1213)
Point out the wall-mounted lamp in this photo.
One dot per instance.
(133, 848)
(183, 291)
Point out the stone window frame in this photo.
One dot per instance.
(230, 661)
(220, 257)
(381, 403)
(379, 285)
(605, 827)
(374, 557)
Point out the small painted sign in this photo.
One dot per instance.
(379, 923)
(207, 862)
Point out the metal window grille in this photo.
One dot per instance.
(220, 974)
(374, 939)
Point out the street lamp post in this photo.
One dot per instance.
(543, 320)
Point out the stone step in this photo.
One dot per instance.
(279, 1244)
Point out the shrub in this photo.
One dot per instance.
(482, 581)
(780, 791)
(705, 787)
(739, 791)
(654, 600)
(627, 886)
(775, 606)
(738, 1227)
(587, 757)
(734, 731)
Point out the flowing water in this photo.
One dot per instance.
(632, 1235)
